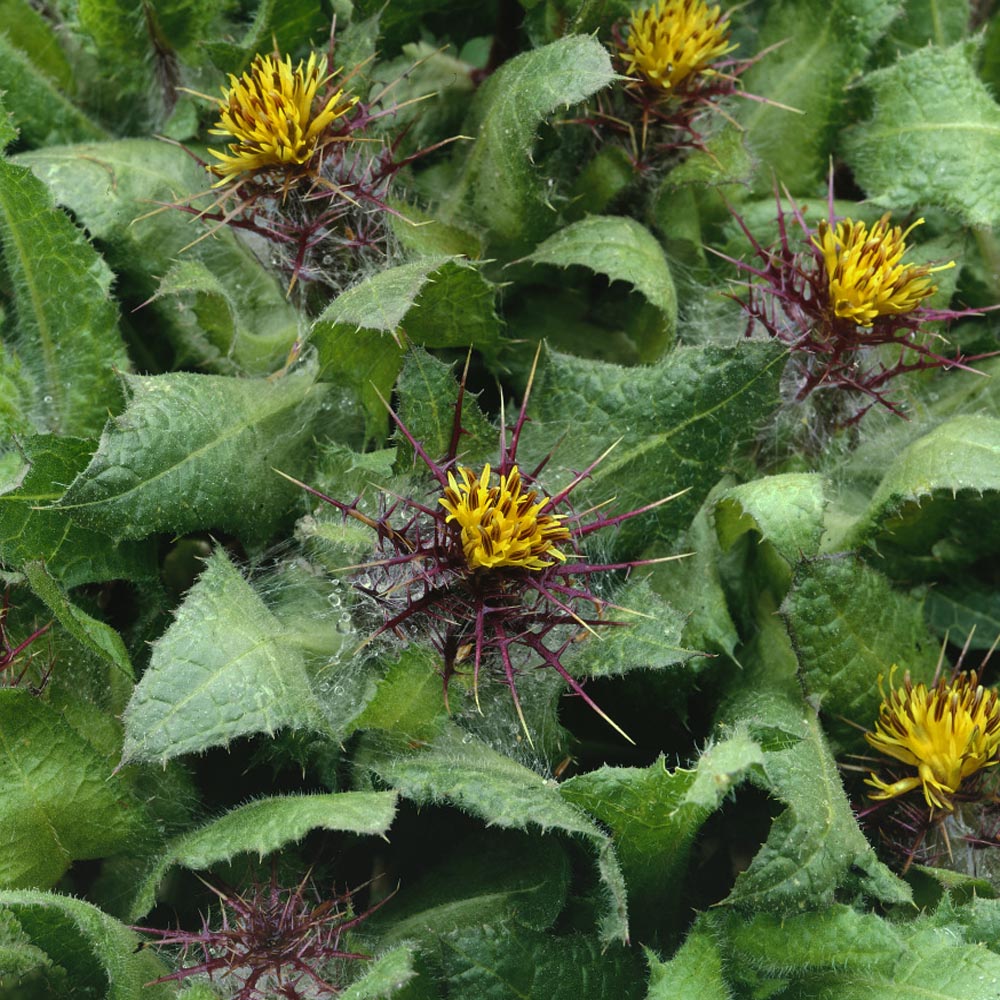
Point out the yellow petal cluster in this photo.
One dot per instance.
(867, 278)
(948, 733)
(673, 41)
(269, 112)
(501, 525)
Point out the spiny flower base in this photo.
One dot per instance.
(839, 343)
(475, 566)
(271, 942)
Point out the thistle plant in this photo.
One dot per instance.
(674, 54)
(306, 168)
(490, 566)
(848, 307)
(270, 941)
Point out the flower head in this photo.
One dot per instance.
(271, 941)
(477, 568)
(269, 112)
(501, 525)
(671, 43)
(835, 298)
(949, 733)
(867, 278)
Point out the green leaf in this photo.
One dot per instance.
(814, 846)
(695, 971)
(920, 494)
(655, 814)
(489, 879)
(30, 529)
(786, 511)
(385, 976)
(435, 302)
(409, 697)
(623, 250)
(94, 636)
(113, 189)
(42, 112)
(923, 22)
(497, 188)
(67, 325)
(171, 460)
(282, 24)
(500, 962)
(681, 419)
(264, 826)
(60, 802)
(28, 31)
(934, 125)
(427, 393)
(650, 639)
(223, 669)
(965, 612)
(103, 957)
(822, 48)
(212, 328)
(848, 627)
(459, 770)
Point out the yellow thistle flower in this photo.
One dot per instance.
(675, 40)
(866, 277)
(948, 734)
(269, 111)
(501, 526)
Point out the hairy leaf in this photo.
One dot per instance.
(623, 250)
(222, 670)
(654, 815)
(435, 302)
(30, 529)
(66, 324)
(60, 802)
(459, 770)
(102, 956)
(264, 826)
(934, 126)
(679, 423)
(172, 460)
(497, 187)
(849, 627)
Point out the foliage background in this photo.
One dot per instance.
(209, 708)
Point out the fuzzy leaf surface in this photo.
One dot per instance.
(30, 529)
(493, 878)
(679, 426)
(222, 670)
(622, 249)
(264, 826)
(934, 125)
(785, 510)
(102, 955)
(919, 497)
(459, 770)
(654, 815)
(60, 805)
(66, 323)
(113, 189)
(386, 975)
(434, 301)
(42, 112)
(694, 972)
(171, 460)
(497, 186)
(822, 46)
(849, 627)
(499, 962)
(815, 846)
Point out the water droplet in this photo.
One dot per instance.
(467, 738)
(338, 691)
